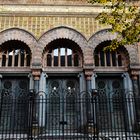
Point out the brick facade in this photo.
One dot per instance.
(38, 25)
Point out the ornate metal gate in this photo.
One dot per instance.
(111, 115)
(14, 105)
(62, 109)
(63, 113)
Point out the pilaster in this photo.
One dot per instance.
(36, 74)
(134, 76)
(88, 75)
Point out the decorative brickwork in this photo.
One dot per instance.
(38, 25)
(23, 36)
(67, 33)
(18, 34)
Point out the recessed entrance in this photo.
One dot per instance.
(14, 104)
(110, 93)
(62, 110)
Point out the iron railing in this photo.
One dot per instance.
(78, 116)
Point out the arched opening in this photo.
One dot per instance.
(62, 53)
(14, 53)
(117, 58)
(62, 60)
(110, 66)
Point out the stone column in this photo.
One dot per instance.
(0, 83)
(31, 81)
(42, 99)
(36, 77)
(42, 82)
(89, 106)
(36, 74)
(129, 105)
(134, 75)
(88, 75)
(82, 82)
(127, 83)
(93, 81)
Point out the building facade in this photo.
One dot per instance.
(52, 45)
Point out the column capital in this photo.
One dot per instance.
(134, 74)
(30, 75)
(88, 74)
(45, 74)
(36, 73)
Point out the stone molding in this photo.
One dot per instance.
(50, 9)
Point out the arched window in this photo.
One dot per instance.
(14, 54)
(117, 58)
(62, 53)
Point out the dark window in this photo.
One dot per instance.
(76, 60)
(15, 53)
(3, 60)
(62, 54)
(49, 60)
(119, 60)
(102, 58)
(110, 58)
(55, 57)
(114, 58)
(66, 54)
(69, 57)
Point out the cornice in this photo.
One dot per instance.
(50, 9)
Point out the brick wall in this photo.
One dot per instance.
(38, 25)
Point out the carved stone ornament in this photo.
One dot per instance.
(134, 74)
(88, 74)
(36, 73)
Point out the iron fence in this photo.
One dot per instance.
(75, 116)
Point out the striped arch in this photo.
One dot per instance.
(20, 35)
(105, 35)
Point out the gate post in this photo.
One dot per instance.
(30, 114)
(93, 124)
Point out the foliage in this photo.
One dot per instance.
(124, 18)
